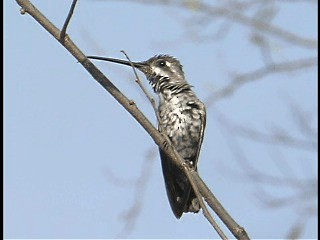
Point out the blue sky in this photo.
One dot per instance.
(65, 136)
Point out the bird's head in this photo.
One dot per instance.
(162, 71)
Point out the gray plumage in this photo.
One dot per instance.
(182, 118)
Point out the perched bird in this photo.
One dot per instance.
(182, 118)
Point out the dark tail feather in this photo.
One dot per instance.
(179, 191)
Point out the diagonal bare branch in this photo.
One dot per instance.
(206, 213)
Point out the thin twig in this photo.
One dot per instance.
(145, 91)
(238, 231)
(65, 25)
(205, 211)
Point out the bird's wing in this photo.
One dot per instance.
(203, 126)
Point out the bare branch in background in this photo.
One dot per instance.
(296, 230)
(303, 120)
(277, 135)
(130, 216)
(275, 68)
(229, 10)
(303, 196)
(266, 13)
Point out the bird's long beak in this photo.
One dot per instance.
(138, 65)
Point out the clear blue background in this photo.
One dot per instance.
(65, 136)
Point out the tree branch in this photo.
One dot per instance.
(205, 211)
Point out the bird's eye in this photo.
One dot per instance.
(162, 63)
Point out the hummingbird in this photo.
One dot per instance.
(182, 117)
